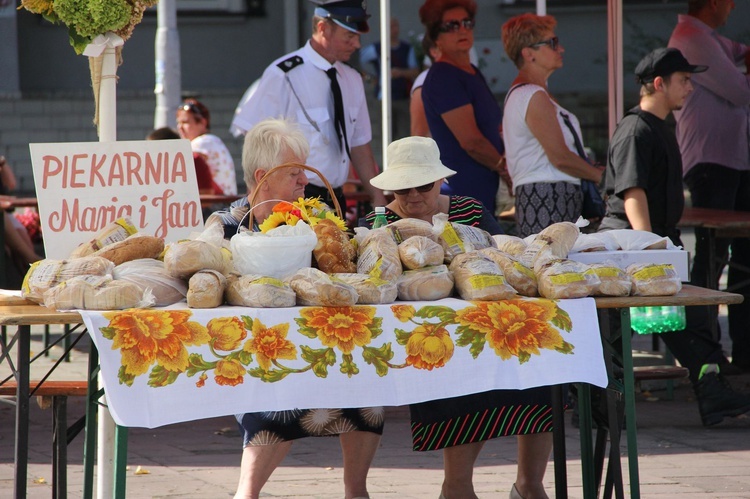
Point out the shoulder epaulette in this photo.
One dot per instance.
(288, 64)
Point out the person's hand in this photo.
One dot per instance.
(502, 170)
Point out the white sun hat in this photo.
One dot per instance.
(412, 161)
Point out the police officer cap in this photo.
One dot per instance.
(663, 62)
(349, 14)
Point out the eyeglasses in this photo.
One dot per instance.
(554, 43)
(421, 188)
(455, 25)
(191, 108)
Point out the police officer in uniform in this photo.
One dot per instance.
(314, 87)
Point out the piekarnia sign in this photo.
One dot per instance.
(82, 187)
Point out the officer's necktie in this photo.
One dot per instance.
(338, 110)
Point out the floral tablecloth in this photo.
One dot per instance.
(174, 364)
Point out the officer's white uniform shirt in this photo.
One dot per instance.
(275, 98)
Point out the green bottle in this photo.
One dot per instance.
(380, 220)
(648, 320)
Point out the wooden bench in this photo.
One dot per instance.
(56, 393)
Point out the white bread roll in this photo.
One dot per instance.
(371, 290)
(252, 290)
(420, 251)
(425, 284)
(206, 289)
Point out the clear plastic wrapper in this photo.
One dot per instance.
(477, 277)
(562, 279)
(654, 279)
(425, 284)
(46, 274)
(206, 289)
(458, 238)
(614, 280)
(518, 275)
(89, 292)
(377, 253)
(371, 290)
(253, 290)
(149, 273)
(420, 251)
(316, 288)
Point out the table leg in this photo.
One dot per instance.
(558, 438)
(587, 452)
(89, 446)
(121, 461)
(22, 410)
(630, 421)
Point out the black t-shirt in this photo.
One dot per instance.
(644, 153)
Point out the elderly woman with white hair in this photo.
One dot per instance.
(414, 174)
(268, 436)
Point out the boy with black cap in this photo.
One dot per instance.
(643, 181)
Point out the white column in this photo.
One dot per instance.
(385, 75)
(168, 88)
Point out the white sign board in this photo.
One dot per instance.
(82, 187)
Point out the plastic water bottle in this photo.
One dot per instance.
(648, 320)
(380, 220)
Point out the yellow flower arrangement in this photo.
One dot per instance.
(309, 210)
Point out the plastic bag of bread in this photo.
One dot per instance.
(552, 243)
(458, 238)
(425, 284)
(477, 277)
(253, 290)
(403, 229)
(598, 241)
(206, 289)
(184, 258)
(377, 253)
(89, 292)
(614, 280)
(420, 251)
(654, 279)
(631, 239)
(334, 252)
(518, 275)
(46, 274)
(511, 245)
(559, 279)
(132, 248)
(371, 290)
(149, 273)
(276, 253)
(118, 230)
(316, 288)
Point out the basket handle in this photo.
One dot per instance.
(293, 165)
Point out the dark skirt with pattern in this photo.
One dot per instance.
(273, 427)
(479, 417)
(542, 204)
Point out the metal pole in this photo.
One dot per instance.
(385, 75)
(168, 88)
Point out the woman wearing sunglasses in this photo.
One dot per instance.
(461, 111)
(415, 175)
(540, 135)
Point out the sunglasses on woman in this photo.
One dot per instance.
(421, 188)
(455, 25)
(553, 43)
(191, 108)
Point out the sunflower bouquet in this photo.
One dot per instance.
(309, 210)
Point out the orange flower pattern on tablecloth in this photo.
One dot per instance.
(156, 341)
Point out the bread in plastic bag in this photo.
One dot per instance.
(279, 253)
(420, 251)
(554, 242)
(511, 245)
(614, 280)
(206, 289)
(371, 290)
(334, 251)
(149, 273)
(48, 273)
(598, 241)
(458, 238)
(316, 288)
(377, 253)
(425, 284)
(654, 279)
(253, 290)
(477, 277)
(634, 240)
(561, 279)
(403, 229)
(137, 246)
(518, 275)
(119, 230)
(89, 292)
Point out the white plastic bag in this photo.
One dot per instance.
(278, 253)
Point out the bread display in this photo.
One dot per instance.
(371, 290)
(88, 292)
(206, 289)
(184, 258)
(477, 277)
(614, 280)
(559, 279)
(551, 243)
(254, 290)
(334, 252)
(378, 254)
(511, 245)
(403, 229)
(420, 251)
(654, 279)
(132, 248)
(316, 288)
(151, 274)
(46, 274)
(425, 284)
(458, 238)
(119, 230)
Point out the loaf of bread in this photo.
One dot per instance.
(46, 274)
(378, 255)
(132, 248)
(371, 290)
(89, 292)
(316, 288)
(554, 242)
(560, 279)
(458, 238)
(206, 289)
(252, 290)
(182, 259)
(477, 277)
(403, 229)
(420, 251)
(511, 245)
(334, 252)
(519, 276)
(654, 279)
(614, 280)
(151, 274)
(118, 230)
(425, 284)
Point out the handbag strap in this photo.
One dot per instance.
(576, 138)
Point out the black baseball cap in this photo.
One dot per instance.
(349, 14)
(663, 62)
